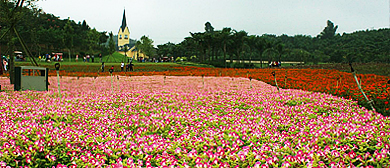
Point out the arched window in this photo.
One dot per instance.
(126, 36)
(120, 36)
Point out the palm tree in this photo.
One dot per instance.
(226, 39)
(200, 42)
(260, 46)
(125, 49)
(252, 41)
(270, 52)
(240, 38)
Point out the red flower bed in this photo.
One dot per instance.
(317, 80)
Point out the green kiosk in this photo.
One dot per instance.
(31, 78)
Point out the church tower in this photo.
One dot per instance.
(124, 33)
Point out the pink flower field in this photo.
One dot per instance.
(158, 121)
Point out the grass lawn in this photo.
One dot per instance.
(95, 67)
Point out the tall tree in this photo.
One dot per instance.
(329, 31)
(208, 28)
(240, 38)
(226, 39)
(111, 45)
(145, 45)
(199, 40)
(68, 36)
(260, 47)
(12, 12)
(252, 41)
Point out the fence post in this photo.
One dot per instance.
(360, 88)
(273, 74)
(57, 66)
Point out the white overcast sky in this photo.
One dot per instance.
(172, 20)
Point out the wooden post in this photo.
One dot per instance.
(112, 89)
(276, 83)
(57, 66)
(360, 88)
(203, 80)
(250, 82)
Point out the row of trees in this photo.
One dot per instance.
(216, 46)
(46, 33)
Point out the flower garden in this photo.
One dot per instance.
(330, 81)
(199, 117)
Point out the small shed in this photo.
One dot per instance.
(31, 78)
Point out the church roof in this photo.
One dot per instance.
(124, 25)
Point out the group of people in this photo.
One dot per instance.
(57, 57)
(156, 60)
(129, 66)
(89, 58)
(275, 64)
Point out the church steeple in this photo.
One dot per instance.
(124, 25)
(123, 33)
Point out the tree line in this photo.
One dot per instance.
(46, 33)
(216, 46)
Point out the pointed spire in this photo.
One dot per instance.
(124, 25)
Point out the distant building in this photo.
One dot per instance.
(123, 39)
(123, 34)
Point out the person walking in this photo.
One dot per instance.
(127, 67)
(122, 66)
(103, 66)
(5, 63)
(1, 67)
(131, 66)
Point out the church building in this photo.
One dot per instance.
(124, 40)
(123, 33)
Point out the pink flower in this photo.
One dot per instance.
(264, 166)
(140, 163)
(333, 165)
(379, 157)
(352, 154)
(335, 153)
(28, 159)
(198, 160)
(3, 164)
(286, 164)
(73, 166)
(53, 158)
(269, 160)
(98, 156)
(177, 150)
(84, 158)
(215, 162)
(92, 161)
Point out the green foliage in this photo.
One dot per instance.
(113, 58)
(181, 59)
(111, 44)
(46, 33)
(329, 31)
(216, 46)
(145, 45)
(208, 28)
